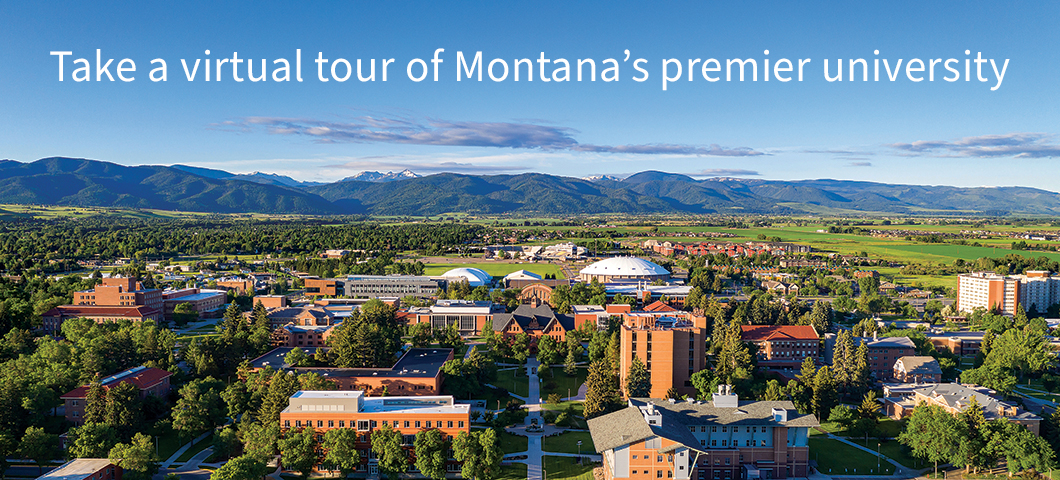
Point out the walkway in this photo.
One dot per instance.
(180, 451)
(534, 460)
(189, 470)
(900, 472)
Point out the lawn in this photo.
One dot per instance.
(835, 457)
(494, 400)
(518, 385)
(497, 269)
(515, 471)
(198, 447)
(169, 441)
(568, 443)
(511, 443)
(563, 383)
(559, 468)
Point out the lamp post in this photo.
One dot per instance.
(877, 457)
(579, 452)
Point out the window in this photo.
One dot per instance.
(374, 424)
(331, 423)
(658, 458)
(724, 443)
(714, 429)
(727, 460)
(406, 424)
(342, 423)
(703, 429)
(669, 474)
(460, 424)
(362, 425)
(634, 457)
(320, 424)
(286, 424)
(713, 443)
(450, 425)
(723, 429)
(658, 474)
(417, 424)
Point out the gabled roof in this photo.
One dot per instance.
(525, 315)
(759, 333)
(101, 311)
(140, 377)
(916, 365)
(658, 306)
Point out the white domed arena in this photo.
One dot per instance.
(474, 276)
(623, 269)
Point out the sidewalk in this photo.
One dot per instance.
(184, 448)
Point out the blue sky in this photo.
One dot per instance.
(959, 133)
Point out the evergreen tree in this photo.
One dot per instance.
(824, 393)
(600, 395)
(842, 355)
(570, 366)
(860, 376)
(95, 403)
(773, 391)
(807, 372)
(800, 395)
(614, 352)
(734, 356)
(638, 379)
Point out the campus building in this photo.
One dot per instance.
(782, 346)
(325, 410)
(883, 352)
(150, 381)
(965, 344)
(672, 345)
(917, 369)
(417, 373)
(469, 316)
(208, 303)
(724, 439)
(113, 300)
(987, 290)
(623, 269)
(901, 399)
(85, 469)
(536, 320)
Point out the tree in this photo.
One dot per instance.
(136, 458)
(8, 448)
(226, 442)
(236, 398)
(431, 453)
(298, 450)
(638, 379)
(614, 352)
(706, 383)
(386, 444)
(479, 454)
(521, 347)
(843, 416)
(824, 394)
(95, 403)
(774, 392)
(199, 406)
(842, 358)
(421, 335)
(548, 350)
(258, 439)
(860, 374)
(184, 313)
(243, 467)
(281, 386)
(598, 345)
(734, 355)
(600, 395)
(39, 446)
(92, 440)
(932, 434)
(570, 365)
(341, 447)
(123, 408)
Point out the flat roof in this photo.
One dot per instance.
(78, 469)
(415, 363)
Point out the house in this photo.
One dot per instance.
(917, 369)
(780, 288)
(150, 381)
(721, 439)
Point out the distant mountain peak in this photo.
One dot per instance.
(377, 177)
(597, 178)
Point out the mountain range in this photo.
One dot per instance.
(81, 182)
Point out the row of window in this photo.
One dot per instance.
(725, 428)
(658, 473)
(735, 443)
(367, 424)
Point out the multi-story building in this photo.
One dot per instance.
(717, 440)
(418, 372)
(241, 286)
(207, 303)
(469, 316)
(901, 399)
(917, 369)
(114, 299)
(325, 410)
(965, 344)
(375, 286)
(988, 290)
(535, 319)
(672, 345)
(883, 352)
(782, 346)
(85, 469)
(150, 381)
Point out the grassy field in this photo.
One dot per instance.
(893, 450)
(518, 385)
(496, 269)
(563, 383)
(511, 443)
(568, 443)
(198, 447)
(560, 468)
(515, 471)
(837, 458)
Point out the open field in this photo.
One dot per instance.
(515, 471)
(496, 269)
(519, 385)
(563, 385)
(837, 458)
(568, 443)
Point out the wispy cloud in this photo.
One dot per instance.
(426, 168)
(533, 135)
(859, 164)
(724, 172)
(1018, 145)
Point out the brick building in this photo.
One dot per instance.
(208, 303)
(988, 290)
(114, 299)
(782, 346)
(672, 345)
(536, 320)
(85, 469)
(150, 381)
(418, 372)
(965, 344)
(325, 410)
(901, 399)
(469, 316)
(913, 369)
(723, 439)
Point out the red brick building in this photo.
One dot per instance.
(85, 469)
(150, 381)
(672, 345)
(783, 346)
